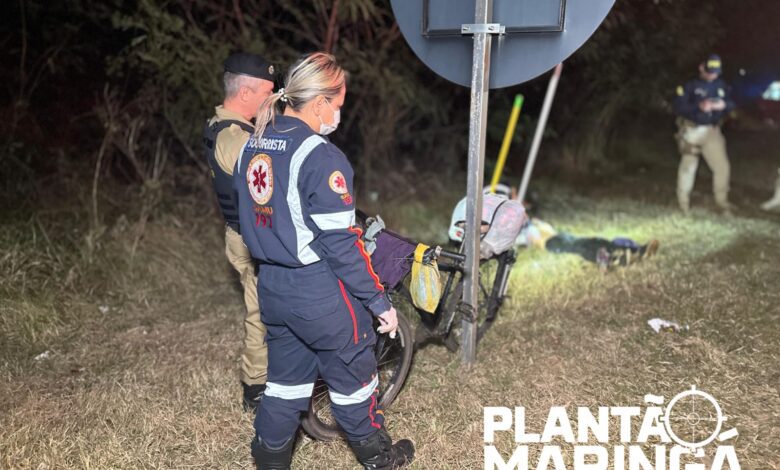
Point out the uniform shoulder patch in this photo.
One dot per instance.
(338, 183)
(680, 91)
(260, 178)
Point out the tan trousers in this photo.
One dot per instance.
(707, 142)
(254, 360)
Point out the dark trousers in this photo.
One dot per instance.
(315, 328)
(588, 248)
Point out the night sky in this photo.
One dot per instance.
(751, 39)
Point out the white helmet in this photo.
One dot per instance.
(489, 204)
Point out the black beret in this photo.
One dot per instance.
(253, 65)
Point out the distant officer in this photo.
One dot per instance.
(319, 292)
(701, 105)
(248, 82)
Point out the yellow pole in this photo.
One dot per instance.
(510, 131)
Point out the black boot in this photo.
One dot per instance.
(253, 395)
(377, 452)
(267, 458)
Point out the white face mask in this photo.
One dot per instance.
(326, 129)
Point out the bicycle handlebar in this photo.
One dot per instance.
(452, 256)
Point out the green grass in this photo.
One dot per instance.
(153, 381)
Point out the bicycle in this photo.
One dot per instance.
(394, 356)
(445, 323)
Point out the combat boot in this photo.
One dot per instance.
(726, 208)
(685, 206)
(267, 458)
(377, 452)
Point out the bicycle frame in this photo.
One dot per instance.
(454, 265)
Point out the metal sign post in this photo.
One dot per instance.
(480, 77)
(534, 35)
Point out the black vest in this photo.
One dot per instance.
(223, 182)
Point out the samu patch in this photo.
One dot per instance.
(260, 178)
(338, 183)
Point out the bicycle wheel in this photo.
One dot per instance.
(493, 283)
(393, 357)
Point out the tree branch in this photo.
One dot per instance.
(332, 33)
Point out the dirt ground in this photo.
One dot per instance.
(113, 357)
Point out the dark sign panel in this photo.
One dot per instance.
(535, 35)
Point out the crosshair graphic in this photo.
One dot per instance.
(693, 418)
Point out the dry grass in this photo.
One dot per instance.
(152, 381)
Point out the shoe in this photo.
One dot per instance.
(649, 250)
(726, 208)
(268, 458)
(377, 452)
(602, 260)
(253, 395)
(685, 207)
(624, 257)
(772, 204)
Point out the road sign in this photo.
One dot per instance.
(534, 35)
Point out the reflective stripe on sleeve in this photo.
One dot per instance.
(358, 397)
(288, 392)
(334, 221)
(303, 235)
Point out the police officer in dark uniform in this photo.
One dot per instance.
(248, 82)
(701, 105)
(318, 290)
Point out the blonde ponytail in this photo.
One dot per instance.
(266, 113)
(313, 75)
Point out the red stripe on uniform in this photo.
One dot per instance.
(371, 408)
(362, 248)
(351, 310)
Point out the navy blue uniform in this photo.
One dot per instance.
(699, 135)
(317, 287)
(686, 103)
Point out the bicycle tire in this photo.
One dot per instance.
(318, 421)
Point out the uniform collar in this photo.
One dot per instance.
(284, 123)
(224, 114)
(290, 121)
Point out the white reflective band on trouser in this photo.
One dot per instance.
(334, 221)
(288, 392)
(358, 397)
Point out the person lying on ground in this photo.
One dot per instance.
(605, 253)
